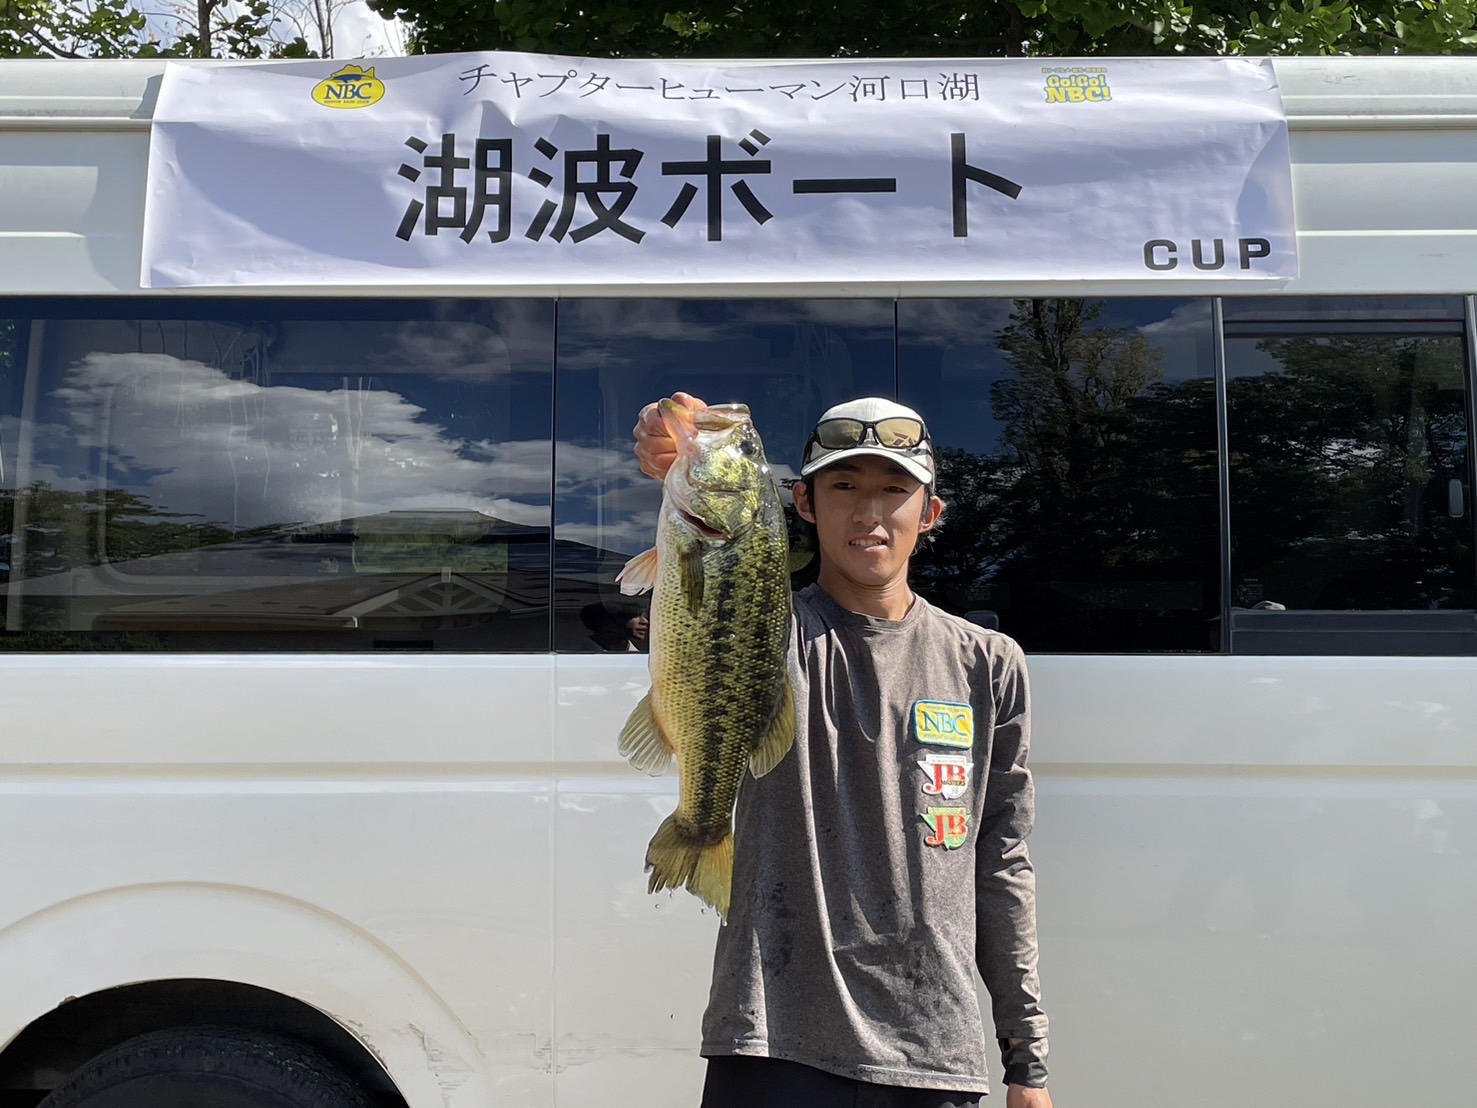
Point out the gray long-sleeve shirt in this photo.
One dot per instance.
(885, 859)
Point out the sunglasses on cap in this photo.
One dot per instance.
(895, 432)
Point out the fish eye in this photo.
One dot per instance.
(747, 448)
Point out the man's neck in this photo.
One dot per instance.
(890, 601)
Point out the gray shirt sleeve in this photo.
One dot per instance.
(1005, 883)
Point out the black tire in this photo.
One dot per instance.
(207, 1067)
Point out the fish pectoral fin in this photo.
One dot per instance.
(642, 742)
(770, 750)
(639, 574)
(692, 577)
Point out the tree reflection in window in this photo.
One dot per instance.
(1078, 459)
(1343, 449)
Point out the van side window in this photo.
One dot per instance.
(788, 360)
(1077, 457)
(1350, 474)
(275, 475)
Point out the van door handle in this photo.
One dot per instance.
(1456, 498)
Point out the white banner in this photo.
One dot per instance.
(522, 169)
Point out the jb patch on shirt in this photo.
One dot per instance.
(942, 723)
(948, 827)
(945, 775)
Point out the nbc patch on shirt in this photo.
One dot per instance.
(942, 723)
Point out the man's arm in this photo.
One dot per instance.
(1022, 1096)
(1005, 889)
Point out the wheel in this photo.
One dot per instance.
(207, 1067)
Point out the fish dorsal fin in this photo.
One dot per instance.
(770, 751)
(642, 742)
(639, 574)
(692, 576)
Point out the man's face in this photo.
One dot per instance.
(868, 514)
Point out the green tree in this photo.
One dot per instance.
(934, 28)
(119, 29)
(54, 28)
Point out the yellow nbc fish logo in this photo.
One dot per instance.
(350, 87)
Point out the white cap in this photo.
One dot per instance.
(917, 460)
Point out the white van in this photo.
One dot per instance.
(311, 660)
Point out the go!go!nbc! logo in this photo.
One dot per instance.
(350, 87)
(1077, 84)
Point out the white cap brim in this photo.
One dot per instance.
(917, 462)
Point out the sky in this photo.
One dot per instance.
(359, 32)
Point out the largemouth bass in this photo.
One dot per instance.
(720, 697)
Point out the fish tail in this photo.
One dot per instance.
(689, 857)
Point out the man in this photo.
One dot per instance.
(884, 860)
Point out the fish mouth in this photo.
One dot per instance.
(702, 528)
(720, 417)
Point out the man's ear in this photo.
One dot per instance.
(933, 508)
(800, 491)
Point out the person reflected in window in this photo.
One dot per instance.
(638, 630)
(607, 631)
(620, 627)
